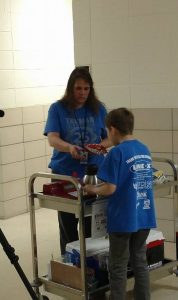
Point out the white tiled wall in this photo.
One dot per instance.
(33, 131)
(36, 58)
(34, 149)
(14, 189)
(36, 51)
(131, 46)
(12, 153)
(13, 207)
(11, 135)
(23, 151)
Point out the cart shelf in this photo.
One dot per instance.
(58, 203)
(61, 290)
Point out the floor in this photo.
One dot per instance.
(17, 232)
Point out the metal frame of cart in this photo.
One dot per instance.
(78, 208)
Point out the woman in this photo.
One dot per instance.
(75, 120)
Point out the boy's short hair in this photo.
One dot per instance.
(122, 119)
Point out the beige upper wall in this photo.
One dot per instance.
(36, 51)
(132, 48)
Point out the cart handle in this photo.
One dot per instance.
(170, 162)
(71, 179)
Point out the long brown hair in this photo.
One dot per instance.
(68, 99)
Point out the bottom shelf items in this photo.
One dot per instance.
(75, 294)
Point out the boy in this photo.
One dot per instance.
(127, 179)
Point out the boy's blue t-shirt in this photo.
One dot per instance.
(71, 125)
(131, 207)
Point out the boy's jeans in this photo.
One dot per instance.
(125, 246)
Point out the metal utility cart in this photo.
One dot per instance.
(78, 207)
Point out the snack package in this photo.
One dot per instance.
(95, 148)
(158, 176)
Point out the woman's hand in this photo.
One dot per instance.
(74, 151)
(57, 143)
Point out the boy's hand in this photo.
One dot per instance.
(103, 189)
(89, 189)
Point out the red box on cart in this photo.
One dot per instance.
(155, 249)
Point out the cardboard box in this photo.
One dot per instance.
(66, 274)
(70, 275)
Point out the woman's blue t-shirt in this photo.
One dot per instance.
(131, 206)
(71, 124)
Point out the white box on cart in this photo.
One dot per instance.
(95, 247)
